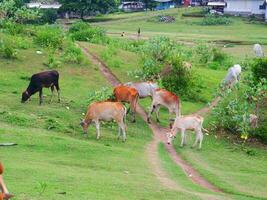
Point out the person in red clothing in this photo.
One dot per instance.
(4, 194)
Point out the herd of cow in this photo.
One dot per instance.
(115, 110)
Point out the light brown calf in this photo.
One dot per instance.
(162, 97)
(105, 111)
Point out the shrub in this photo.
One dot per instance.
(82, 31)
(100, 95)
(259, 68)
(52, 62)
(72, 54)
(202, 53)
(49, 37)
(21, 43)
(211, 19)
(11, 27)
(24, 15)
(232, 112)
(7, 49)
(48, 16)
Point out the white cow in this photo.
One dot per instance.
(253, 120)
(233, 75)
(145, 89)
(258, 50)
(183, 123)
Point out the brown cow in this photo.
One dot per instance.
(4, 194)
(162, 97)
(127, 94)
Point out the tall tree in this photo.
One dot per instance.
(85, 7)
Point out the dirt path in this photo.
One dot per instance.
(159, 136)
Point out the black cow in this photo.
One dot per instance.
(38, 81)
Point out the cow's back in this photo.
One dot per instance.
(1, 168)
(106, 109)
(125, 93)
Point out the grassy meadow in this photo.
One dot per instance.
(55, 160)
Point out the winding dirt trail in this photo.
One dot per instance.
(160, 136)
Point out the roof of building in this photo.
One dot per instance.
(44, 6)
(216, 3)
(162, 1)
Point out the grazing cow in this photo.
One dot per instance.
(258, 50)
(105, 111)
(187, 65)
(183, 123)
(4, 194)
(253, 120)
(38, 81)
(127, 94)
(145, 89)
(162, 97)
(233, 75)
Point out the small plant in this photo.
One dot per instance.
(100, 95)
(51, 37)
(72, 54)
(52, 62)
(7, 49)
(259, 69)
(212, 19)
(82, 31)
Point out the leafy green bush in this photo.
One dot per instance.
(82, 31)
(259, 68)
(100, 95)
(7, 49)
(48, 16)
(51, 37)
(211, 19)
(52, 61)
(11, 27)
(72, 54)
(232, 112)
(21, 43)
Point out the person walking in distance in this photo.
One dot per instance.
(139, 32)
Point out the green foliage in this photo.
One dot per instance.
(232, 112)
(211, 56)
(72, 54)
(86, 7)
(7, 49)
(211, 19)
(49, 36)
(17, 12)
(52, 61)
(259, 68)
(82, 31)
(48, 16)
(11, 27)
(103, 94)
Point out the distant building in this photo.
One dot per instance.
(131, 6)
(217, 6)
(164, 4)
(43, 5)
(246, 7)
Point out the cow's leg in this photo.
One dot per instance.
(58, 92)
(41, 96)
(152, 109)
(123, 127)
(157, 112)
(197, 138)
(200, 138)
(3, 186)
(182, 137)
(133, 111)
(97, 125)
(119, 133)
(52, 93)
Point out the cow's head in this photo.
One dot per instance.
(25, 96)
(84, 125)
(170, 137)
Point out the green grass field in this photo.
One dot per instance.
(54, 160)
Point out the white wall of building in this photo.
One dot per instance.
(244, 6)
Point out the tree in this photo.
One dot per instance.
(85, 7)
(149, 4)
